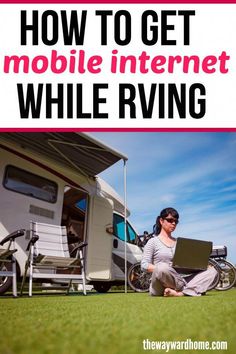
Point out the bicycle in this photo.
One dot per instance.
(8, 268)
(227, 270)
(138, 279)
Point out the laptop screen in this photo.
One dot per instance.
(191, 255)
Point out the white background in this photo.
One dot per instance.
(212, 30)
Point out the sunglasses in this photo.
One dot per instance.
(172, 220)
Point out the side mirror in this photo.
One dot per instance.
(115, 243)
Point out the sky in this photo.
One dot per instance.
(194, 173)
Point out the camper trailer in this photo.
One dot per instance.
(51, 177)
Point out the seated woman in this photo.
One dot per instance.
(157, 259)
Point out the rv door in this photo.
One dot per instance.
(99, 250)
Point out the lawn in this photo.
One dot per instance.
(113, 323)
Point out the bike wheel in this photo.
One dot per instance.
(213, 263)
(5, 281)
(227, 275)
(138, 280)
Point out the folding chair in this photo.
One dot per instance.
(49, 256)
(8, 261)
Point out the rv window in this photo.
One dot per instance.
(82, 204)
(27, 183)
(119, 229)
(132, 234)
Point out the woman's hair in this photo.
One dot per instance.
(163, 214)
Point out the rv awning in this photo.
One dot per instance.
(79, 151)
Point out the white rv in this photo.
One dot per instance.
(51, 177)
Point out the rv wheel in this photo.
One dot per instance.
(102, 287)
(5, 282)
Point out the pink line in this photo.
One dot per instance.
(30, 130)
(117, 2)
(118, 129)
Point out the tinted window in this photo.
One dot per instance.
(119, 229)
(27, 183)
(131, 233)
(81, 204)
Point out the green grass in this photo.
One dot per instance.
(113, 323)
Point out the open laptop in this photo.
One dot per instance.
(191, 255)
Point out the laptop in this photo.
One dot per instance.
(191, 255)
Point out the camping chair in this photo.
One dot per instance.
(49, 256)
(8, 261)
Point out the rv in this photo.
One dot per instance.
(51, 177)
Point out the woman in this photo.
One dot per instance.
(157, 259)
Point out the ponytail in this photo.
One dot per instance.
(157, 226)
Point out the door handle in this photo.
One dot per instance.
(115, 243)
